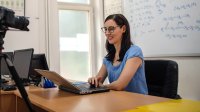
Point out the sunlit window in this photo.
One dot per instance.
(74, 40)
(75, 1)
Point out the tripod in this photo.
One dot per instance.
(14, 73)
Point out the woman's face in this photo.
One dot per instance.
(113, 32)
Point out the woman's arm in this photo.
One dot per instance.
(128, 72)
(100, 77)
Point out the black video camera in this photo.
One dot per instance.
(8, 19)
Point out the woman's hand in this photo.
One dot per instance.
(96, 81)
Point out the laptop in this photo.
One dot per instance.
(38, 62)
(22, 61)
(77, 87)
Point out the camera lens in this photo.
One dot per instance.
(21, 23)
(8, 19)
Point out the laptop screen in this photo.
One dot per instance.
(38, 62)
(22, 61)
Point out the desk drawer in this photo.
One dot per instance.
(7, 103)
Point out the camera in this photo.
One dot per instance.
(8, 19)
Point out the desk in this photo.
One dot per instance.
(59, 101)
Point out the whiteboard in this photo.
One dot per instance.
(165, 27)
(112, 7)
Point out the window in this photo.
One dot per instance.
(75, 39)
(75, 1)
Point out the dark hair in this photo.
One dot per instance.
(126, 39)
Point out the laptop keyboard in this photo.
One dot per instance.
(86, 87)
(6, 87)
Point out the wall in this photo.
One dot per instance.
(189, 75)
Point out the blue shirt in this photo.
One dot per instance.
(138, 81)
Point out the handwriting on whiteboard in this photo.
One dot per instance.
(171, 18)
(112, 7)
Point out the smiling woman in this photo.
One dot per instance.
(124, 62)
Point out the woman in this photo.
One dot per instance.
(124, 62)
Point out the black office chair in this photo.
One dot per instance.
(162, 78)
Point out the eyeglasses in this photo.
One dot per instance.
(110, 29)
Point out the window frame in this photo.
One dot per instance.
(89, 8)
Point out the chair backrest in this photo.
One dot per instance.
(162, 78)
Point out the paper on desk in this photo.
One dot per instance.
(182, 105)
